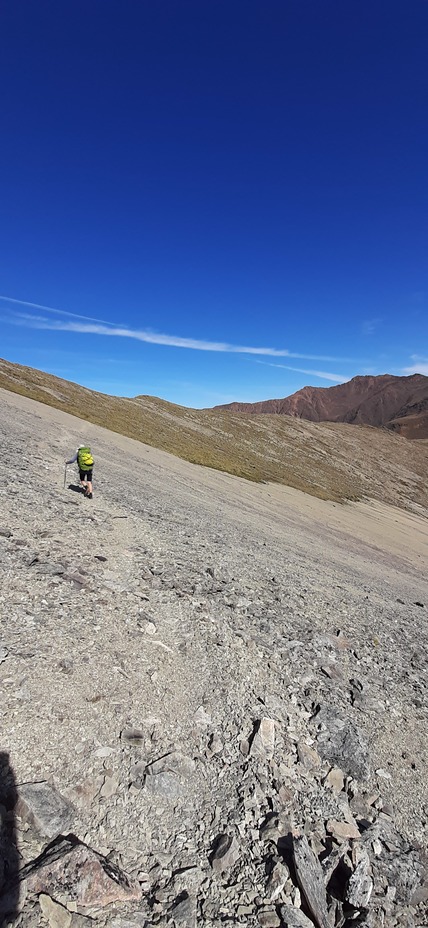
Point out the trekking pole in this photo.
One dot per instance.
(65, 475)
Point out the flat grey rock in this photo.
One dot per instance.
(42, 806)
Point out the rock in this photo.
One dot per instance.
(263, 743)
(166, 785)
(268, 918)
(84, 793)
(342, 830)
(173, 762)
(148, 627)
(55, 914)
(277, 881)
(295, 918)
(3, 654)
(5, 533)
(133, 736)
(109, 787)
(383, 774)
(360, 884)
(270, 828)
(40, 805)
(168, 775)
(215, 745)
(70, 870)
(202, 717)
(184, 911)
(335, 780)
(310, 878)
(66, 665)
(308, 757)
(225, 855)
(340, 742)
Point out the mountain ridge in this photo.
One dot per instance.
(382, 401)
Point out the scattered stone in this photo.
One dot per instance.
(225, 855)
(66, 665)
(335, 780)
(5, 533)
(308, 756)
(55, 914)
(360, 883)
(165, 785)
(383, 774)
(295, 918)
(340, 742)
(202, 717)
(42, 806)
(268, 918)
(215, 745)
(3, 654)
(263, 743)
(109, 787)
(133, 736)
(173, 762)
(342, 830)
(184, 911)
(148, 627)
(74, 872)
(310, 878)
(277, 880)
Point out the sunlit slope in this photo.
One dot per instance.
(327, 460)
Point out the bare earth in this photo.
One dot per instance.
(190, 604)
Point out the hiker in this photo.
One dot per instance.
(85, 463)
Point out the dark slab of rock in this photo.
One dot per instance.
(70, 869)
(310, 877)
(340, 742)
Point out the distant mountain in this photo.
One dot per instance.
(397, 403)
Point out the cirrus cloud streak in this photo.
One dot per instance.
(89, 327)
(324, 375)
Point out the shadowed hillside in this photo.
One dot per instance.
(330, 461)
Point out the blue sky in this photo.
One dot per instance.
(214, 201)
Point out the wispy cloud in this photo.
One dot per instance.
(324, 375)
(50, 309)
(87, 325)
(419, 366)
(369, 326)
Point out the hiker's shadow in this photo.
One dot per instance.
(9, 857)
(75, 487)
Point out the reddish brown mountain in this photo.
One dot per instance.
(398, 403)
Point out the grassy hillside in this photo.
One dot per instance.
(327, 460)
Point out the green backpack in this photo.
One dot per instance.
(85, 459)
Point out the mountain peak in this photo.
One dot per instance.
(383, 400)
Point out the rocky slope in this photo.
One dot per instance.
(397, 402)
(213, 695)
(327, 460)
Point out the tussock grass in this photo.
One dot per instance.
(328, 460)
